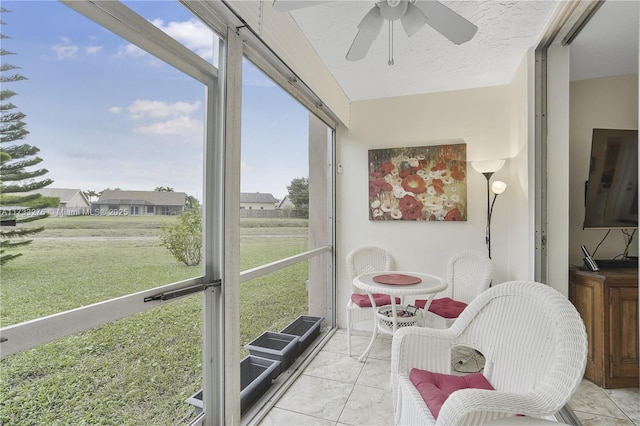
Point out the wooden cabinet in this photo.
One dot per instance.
(608, 303)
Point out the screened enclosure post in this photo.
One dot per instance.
(231, 280)
(213, 312)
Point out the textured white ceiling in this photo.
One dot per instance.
(428, 62)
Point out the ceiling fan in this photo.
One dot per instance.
(413, 14)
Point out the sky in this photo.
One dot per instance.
(106, 114)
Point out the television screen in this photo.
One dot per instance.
(611, 199)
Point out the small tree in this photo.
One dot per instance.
(299, 195)
(183, 239)
(17, 175)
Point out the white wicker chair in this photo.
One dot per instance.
(535, 346)
(359, 261)
(469, 273)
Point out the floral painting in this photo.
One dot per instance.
(427, 183)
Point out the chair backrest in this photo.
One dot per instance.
(368, 259)
(532, 337)
(469, 273)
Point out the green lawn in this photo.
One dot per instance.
(140, 369)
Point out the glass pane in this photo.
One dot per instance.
(285, 184)
(136, 371)
(121, 135)
(275, 150)
(270, 302)
(176, 21)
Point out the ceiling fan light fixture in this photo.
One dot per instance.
(413, 20)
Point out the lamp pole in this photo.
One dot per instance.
(487, 169)
(489, 205)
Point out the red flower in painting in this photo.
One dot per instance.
(415, 184)
(377, 185)
(410, 207)
(453, 215)
(408, 202)
(411, 214)
(439, 166)
(383, 184)
(373, 189)
(437, 188)
(387, 167)
(456, 173)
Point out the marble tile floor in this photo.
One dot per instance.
(337, 390)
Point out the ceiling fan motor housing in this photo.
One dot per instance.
(393, 10)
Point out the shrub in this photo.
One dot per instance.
(183, 239)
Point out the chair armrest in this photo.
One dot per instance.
(476, 406)
(423, 348)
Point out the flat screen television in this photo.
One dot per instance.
(611, 198)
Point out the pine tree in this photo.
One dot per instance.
(17, 176)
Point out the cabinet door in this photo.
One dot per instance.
(623, 332)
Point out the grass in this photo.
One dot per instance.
(138, 370)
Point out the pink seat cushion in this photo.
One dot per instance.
(435, 388)
(363, 300)
(445, 307)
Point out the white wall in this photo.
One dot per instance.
(557, 236)
(610, 103)
(483, 119)
(519, 196)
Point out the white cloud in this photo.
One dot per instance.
(115, 110)
(181, 125)
(193, 34)
(65, 51)
(92, 50)
(131, 50)
(157, 109)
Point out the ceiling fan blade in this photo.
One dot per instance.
(289, 5)
(412, 20)
(446, 21)
(368, 30)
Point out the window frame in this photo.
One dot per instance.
(221, 220)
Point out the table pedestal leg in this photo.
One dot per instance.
(375, 330)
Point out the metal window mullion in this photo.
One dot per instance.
(281, 264)
(124, 22)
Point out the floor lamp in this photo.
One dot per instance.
(488, 168)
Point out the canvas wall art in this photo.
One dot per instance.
(426, 183)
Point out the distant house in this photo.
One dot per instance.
(114, 202)
(285, 204)
(257, 201)
(72, 201)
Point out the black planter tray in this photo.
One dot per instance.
(307, 328)
(277, 346)
(256, 375)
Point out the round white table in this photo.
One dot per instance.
(428, 286)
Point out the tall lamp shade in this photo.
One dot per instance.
(487, 166)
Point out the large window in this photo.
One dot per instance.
(118, 130)
(122, 135)
(106, 317)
